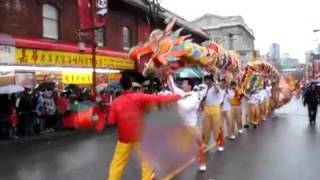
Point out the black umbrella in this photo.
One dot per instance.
(45, 86)
(72, 88)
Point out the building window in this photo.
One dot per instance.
(126, 35)
(50, 17)
(100, 37)
(230, 36)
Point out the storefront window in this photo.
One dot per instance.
(100, 36)
(126, 35)
(50, 17)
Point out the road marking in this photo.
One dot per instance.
(291, 114)
(177, 171)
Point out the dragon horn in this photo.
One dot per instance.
(170, 25)
(176, 34)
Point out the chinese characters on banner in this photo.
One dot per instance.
(59, 58)
(101, 10)
(76, 78)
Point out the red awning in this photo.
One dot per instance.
(54, 45)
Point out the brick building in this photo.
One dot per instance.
(42, 33)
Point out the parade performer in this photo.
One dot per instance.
(253, 101)
(236, 105)
(263, 101)
(127, 112)
(213, 121)
(167, 51)
(275, 91)
(269, 100)
(165, 90)
(245, 111)
(226, 109)
(188, 109)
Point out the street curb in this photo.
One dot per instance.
(40, 137)
(52, 136)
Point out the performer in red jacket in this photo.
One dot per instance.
(127, 112)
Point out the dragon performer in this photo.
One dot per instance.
(168, 51)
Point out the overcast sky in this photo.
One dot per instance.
(287, 22)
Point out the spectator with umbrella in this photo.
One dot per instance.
(8, 117)
(26, 109)
(50, 110)
(4, 115)
(13, 117)
(62, 103)
(11, 89)
(40, 111)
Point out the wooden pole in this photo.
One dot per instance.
(94, 46)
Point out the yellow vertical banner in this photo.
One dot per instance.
(76, 77)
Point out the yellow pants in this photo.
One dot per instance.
(263, 109)
(213, 122)
(253, 114)
(120, 160)
(227, 116)
(201, 150)
(237, 116)
(269, 106)
(260, 114)
(247, 115)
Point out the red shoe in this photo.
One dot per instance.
(202, 158)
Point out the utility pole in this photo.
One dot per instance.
(94, 48)
(93, 14)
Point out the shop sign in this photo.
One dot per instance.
(76, 77)
(7, 54)
(59, 58)
(100, 7)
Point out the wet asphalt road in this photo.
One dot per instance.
(78, 156)
(283, 148)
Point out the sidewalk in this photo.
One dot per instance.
(48, 136)
(53, 135)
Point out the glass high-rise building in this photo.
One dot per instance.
(274, 51)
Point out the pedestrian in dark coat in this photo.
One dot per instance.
(311, 99)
